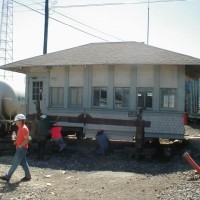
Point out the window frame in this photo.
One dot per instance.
(37, 90)
(50, 98)
(146, 90)
(114, 96)
(69, 98)
(100, 90)
(175, 100)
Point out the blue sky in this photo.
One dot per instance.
(173, 25)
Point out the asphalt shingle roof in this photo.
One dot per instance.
(108, 53)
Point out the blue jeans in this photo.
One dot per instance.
(102, 142)
(60, 142)
(19, 159)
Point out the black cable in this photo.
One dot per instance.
(72, 19)
(31, 4)
(63, 22)
(116, 4)
(88, 26)
(35, 3)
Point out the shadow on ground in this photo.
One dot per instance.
(9, 187)
(79, 157)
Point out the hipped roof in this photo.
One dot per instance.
(133, 53)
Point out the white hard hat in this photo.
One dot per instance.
(19, 117)
(43, 116)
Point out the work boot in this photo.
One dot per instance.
(5, 178)
(26, 179)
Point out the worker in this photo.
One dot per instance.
(102, 142)
(56, 136)
(21, 143)
(43, 127)
(3, 131)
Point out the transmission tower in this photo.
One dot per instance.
(6, 36)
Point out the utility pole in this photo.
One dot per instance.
(148, 25)
(46, 24)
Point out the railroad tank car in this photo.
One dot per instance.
(12, 100)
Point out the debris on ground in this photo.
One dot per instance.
(76, 174)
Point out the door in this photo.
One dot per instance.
(38, 94)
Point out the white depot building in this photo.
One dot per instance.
(101, 86)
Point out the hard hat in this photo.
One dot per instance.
(19, 117)
(43, 116)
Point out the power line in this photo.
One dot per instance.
(79, 22)
(54, 19)
(23, 11)
(32, 4)
(116, 4)
(87, 26)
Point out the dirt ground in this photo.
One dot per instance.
(76, 174)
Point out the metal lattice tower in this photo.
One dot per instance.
(6, 36)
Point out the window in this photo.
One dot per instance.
(168, 98)
(76, 96)
(37, 90)
(145, 97)
(100, 97)
(121, 97)
(56, 96)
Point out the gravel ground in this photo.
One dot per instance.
(76, 174)
(192, 130)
